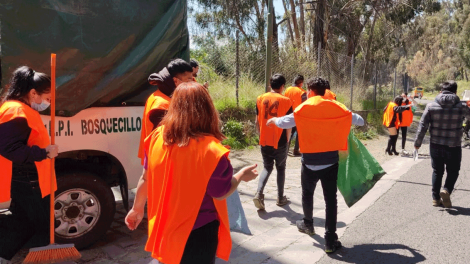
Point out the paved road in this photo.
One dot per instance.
(403, 226)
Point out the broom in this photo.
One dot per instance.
(53, 253)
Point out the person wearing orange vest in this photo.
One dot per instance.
(273, 140)
(25, 154)
(391, 120)
(178, 71)
(297, 95)
(406, 121)
(195, 66)
(187, 177)
(323, 127)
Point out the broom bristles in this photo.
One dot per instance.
(52, 254)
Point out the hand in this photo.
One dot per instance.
(271, 121)
(249, 173)
(206, 85)
(52, 151)
(133, 218)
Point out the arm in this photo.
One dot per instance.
(401, 109)
(256, 121)
(284, 122)
(136, 214)
(422, 127)
(14, 135)
(357, 120)
(246, 174)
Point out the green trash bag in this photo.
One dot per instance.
(358, 171)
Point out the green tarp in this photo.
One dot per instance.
(358, 171)
(105, 49)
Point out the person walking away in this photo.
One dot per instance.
(406, 121)
(178, 71)
(444, 119)
(187, 176)
(25, 154)
(195, 66)
(323, 127)
(392, 120)
(273, 140)
(297, 95)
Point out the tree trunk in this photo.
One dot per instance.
(289, 26)
(294, 21)
(319, 23)
(275, 40)
(302, 21)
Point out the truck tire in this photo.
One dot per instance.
(84, 208)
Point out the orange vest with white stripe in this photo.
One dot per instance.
(38, 137)
(271, 105)
(323, 125)
(295, 95)
(177, 179)
(406, 117)
(157, 100)
(389, 114)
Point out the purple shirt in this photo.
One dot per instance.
(218, 186)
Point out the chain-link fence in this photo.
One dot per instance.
(236, 74)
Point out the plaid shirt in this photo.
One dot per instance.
(444, 118)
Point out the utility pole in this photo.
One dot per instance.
(269, 44)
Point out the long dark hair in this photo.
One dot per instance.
(191, 115)
(25, 79)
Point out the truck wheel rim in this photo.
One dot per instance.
(76, 212)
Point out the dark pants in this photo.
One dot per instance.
(202, 243)
(444, 157)
(271, 155)
(328, 178)
(404, 131)
(28, 221)
(296, 146)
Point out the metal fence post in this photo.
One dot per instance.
(269, 44)
(237, 68)
(375, 87)
(352, 81)
(395, 84)
(319, 59)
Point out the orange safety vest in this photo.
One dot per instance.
(177, 182)
(271, 105)
(38, 137)
(388, 115)
(406, 117)
(157, 100)
(295, 95)
(323, 125)
(329, 95)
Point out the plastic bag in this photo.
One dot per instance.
(358, 171)
(236, 214)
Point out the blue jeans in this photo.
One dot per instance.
(448, 159)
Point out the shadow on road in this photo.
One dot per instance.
(457, 210)
(378, 253)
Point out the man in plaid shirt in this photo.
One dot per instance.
(444, 118)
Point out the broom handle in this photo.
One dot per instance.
(52, 217)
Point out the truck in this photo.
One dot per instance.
(105, 52)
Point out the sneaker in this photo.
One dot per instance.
(445, 196)
(437, 202)
(404, 152)
(333, 246)
(259, 201)
(304, 228)
(282, 201)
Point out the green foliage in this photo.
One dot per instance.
(239, 135)
(369, 134)
(369, 104)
